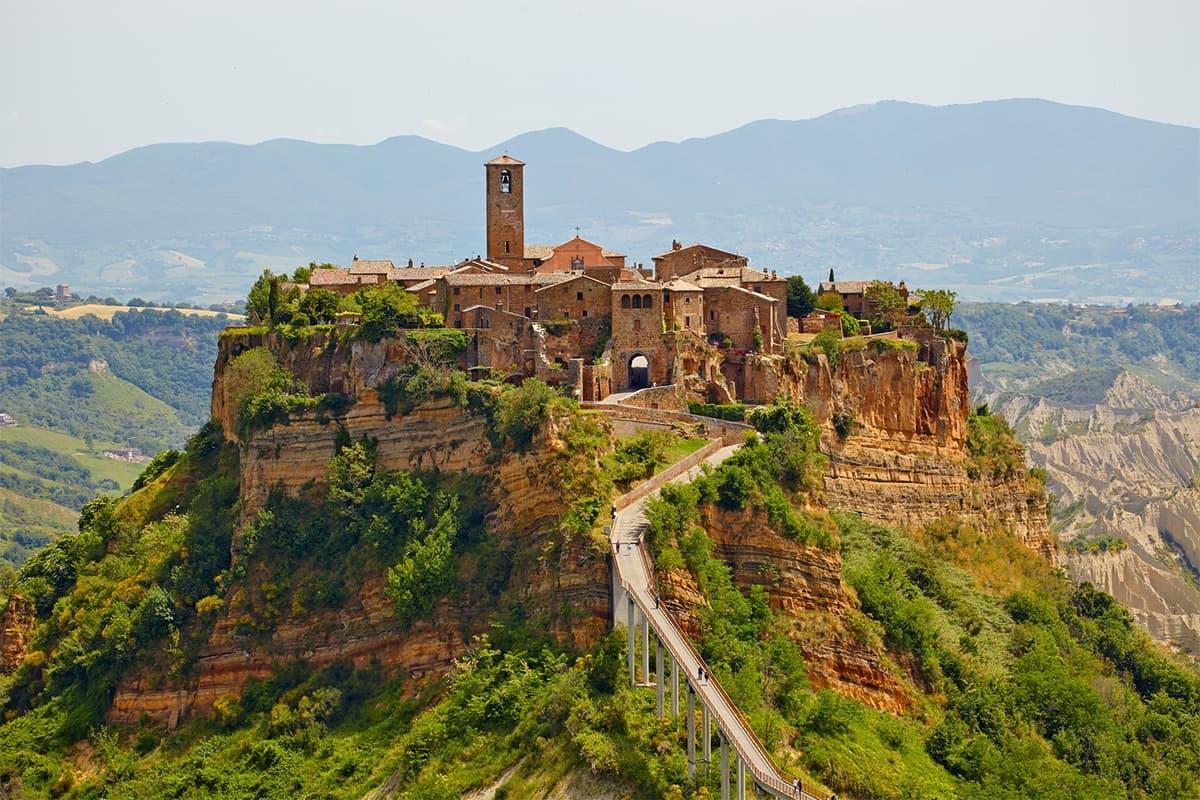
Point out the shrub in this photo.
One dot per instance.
(521, 410)
(829, 341)
(731, 412)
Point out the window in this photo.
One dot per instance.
(637, 324)
(579, 295)
(647, 301)
(712, 315)
(458, 323)
(687, 322)
(456, 308)
(498, 290)
(506, 246)
(666, 296)
(624, 301)
(637, 301)
(456, 288)
(585, 312)
(687, 300)
(505, 187)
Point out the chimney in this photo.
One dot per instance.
(675, 245)
(410, 263)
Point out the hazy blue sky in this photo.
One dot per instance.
(85, 80)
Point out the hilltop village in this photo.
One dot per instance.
(578, 316)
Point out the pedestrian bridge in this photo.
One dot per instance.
(677, 668)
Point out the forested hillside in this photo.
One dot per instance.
(78, 388)
(1034, 347)
(1015, 683)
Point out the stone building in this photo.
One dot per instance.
(577, 314)
(854, 295)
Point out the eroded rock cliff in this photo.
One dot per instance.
(805, 583)
(895, 429)
(560, 582)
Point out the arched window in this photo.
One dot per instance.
(505, 181)
(637, 301)
(624, 301)
(647, 301)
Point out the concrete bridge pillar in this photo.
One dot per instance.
(706, 732)
(645, 649)
(630, 628)
(724, 765)
(741, 779)
(691, 731)
(659, 677)
(674, 688)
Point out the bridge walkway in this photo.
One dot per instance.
(636, 604)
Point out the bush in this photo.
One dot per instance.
(521, 410)
(829, 341)
(731, 412)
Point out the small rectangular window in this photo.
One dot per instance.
(585, 312)
(579, 295)
(458, 323)
(498, 290)
(687, 322)
(456, 308)
(456, 289)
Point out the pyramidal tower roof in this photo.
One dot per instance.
(505, 159)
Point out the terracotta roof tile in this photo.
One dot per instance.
(367, 266)
(492, 279)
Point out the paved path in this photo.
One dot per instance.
(635, 574)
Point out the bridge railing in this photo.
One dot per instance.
(774, 780)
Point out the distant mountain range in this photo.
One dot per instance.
(1004, 200)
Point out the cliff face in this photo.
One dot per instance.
(804, 582)
(561, 582)
(16, 626)
(902, 459)
(1134, 482)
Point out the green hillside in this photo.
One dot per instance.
(1022, 684)
(1073, 353)
(79, 387)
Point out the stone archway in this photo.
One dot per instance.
(639, 372)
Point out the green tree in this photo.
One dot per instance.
(938, 305)
(258, 302)
(829, 301)
(886, 304)
(320, 305)
(800, 298)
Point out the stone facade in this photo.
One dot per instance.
(505, 211)
(577, 316)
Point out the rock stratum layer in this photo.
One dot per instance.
(904, 462)
(904, 459)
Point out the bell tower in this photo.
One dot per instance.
(505, 210)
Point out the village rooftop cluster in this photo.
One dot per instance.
(578, 313)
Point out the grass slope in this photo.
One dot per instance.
(98, 406)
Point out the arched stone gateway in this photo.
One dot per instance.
(639, 372)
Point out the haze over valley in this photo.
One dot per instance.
(1000, 201)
